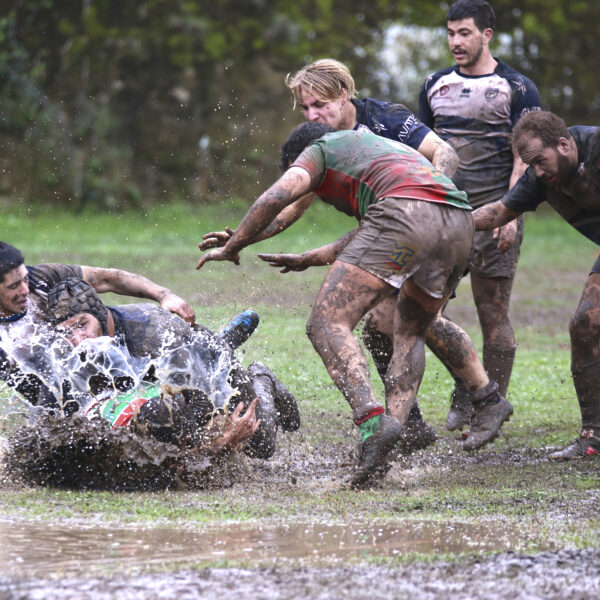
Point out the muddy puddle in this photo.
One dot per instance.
(34, 550)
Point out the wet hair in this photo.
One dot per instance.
(73, 296)
(302, 136)
(480, 11)
(544, 125)
(326, 78)
(10, 258)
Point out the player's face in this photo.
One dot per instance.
(323, 110)
(81, 327)
(550, 164)
(466, 42)
(14, 290)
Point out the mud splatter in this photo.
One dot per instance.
(79, 453)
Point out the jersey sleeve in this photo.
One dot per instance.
(526, 98)
(425, 114)
(312, 160)
(526, 195)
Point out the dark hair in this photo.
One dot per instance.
(544, 125)
(480, 11)
(10, 258)
(301, 136)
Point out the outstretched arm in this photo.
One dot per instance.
(132, 284)
(293, 184)
(439, 153)
(288, 216)
(493, 215)
(325, 255)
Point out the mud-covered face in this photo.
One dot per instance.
(553, 165)
(80, 327)
(14, 290)
(327, 111)
(466, 42)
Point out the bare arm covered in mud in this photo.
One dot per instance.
(293, 184)
(319, 257)
(238, 428)
(439, 153)
(493, 215)
(132, 284)
(288, 216)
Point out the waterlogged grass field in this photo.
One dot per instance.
(510, 480)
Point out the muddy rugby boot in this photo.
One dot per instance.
(374, 451)
(461, 408)
(288, 415)
(490, 410)
(240, 328)
(585, 446)
(417, 433)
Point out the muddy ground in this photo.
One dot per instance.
(540, 520)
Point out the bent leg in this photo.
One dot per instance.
(347, 293)
(452, 345)
(492, 299)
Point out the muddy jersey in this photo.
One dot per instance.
(475, 115)
(354, 169)
(392, 121)
(147, 330)
(577, 202)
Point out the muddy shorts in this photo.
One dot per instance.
(400, 238)
(486, 261)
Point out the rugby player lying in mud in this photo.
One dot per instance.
(188, 374)
(25, 337)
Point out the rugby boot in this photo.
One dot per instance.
(461, 408)
(288, 415)
(374, 451)
(417, 434)
(239, 329)
(490, 410)
(586, 445)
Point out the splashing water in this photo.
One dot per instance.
(200, 364)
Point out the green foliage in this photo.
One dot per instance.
(112, 103)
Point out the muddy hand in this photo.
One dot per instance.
(179, 306)
(216, 239)
(243, 427)
(506, 236)
(287, 262)
(219, 254)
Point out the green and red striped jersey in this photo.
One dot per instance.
(355, 169)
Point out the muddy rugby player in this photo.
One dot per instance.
(187, 355)
(326, 93)
(414, 236)
(473, 105)
(23, 294)
(564, 170)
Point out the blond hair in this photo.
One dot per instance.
(326, 79)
